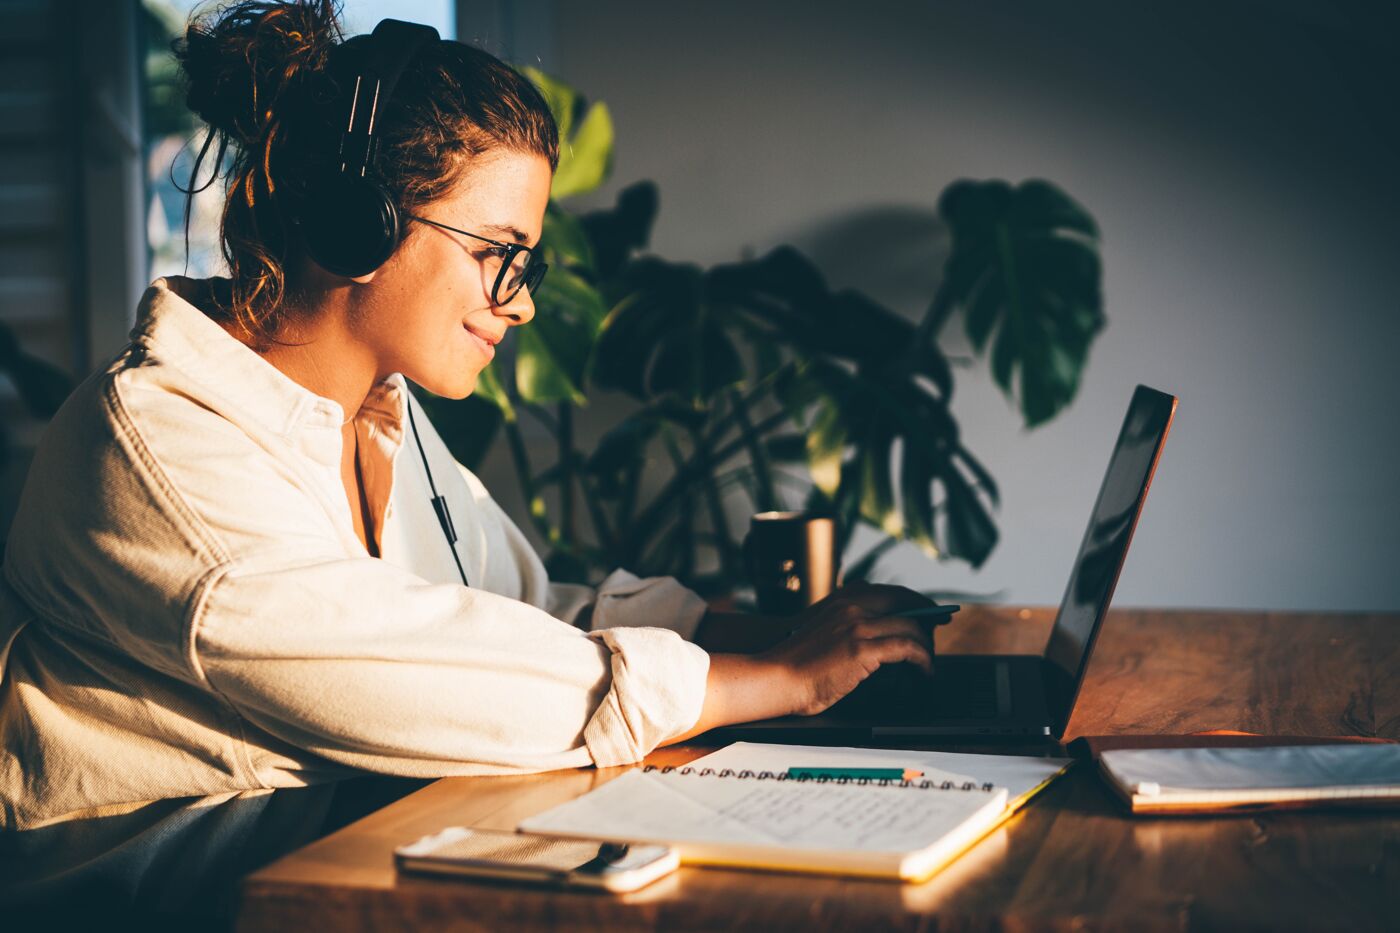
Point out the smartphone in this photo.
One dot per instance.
(552, 860)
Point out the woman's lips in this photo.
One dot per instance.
(484, 343)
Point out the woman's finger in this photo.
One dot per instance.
(889, 627)
(884, 599)
(897, 648)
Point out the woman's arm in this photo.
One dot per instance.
(836, 644)
(362, 663)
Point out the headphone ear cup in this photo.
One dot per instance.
(349, 225)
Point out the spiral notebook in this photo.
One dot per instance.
(737, 807)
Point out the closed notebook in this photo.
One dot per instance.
(736, 808)
(1186, 780)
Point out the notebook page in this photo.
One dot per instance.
(1019, 774)
(688, 808)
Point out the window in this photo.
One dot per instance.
(173, 135)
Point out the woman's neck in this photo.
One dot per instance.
(328, 361)
(317, 349)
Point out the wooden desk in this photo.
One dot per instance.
(1071, 859)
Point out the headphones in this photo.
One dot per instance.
(349, 223)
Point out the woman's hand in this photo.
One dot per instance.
(833, 646)
(843, 639)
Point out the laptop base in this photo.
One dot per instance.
(971, 698)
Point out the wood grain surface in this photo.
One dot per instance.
(1073, 859)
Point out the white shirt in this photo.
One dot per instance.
(187, 616)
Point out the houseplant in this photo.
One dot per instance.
(744, 392)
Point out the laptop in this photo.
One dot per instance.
(1004, 697)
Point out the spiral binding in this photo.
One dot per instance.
(746, 775)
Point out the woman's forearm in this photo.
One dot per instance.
(742, 688)
(829, 649)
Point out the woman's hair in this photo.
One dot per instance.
(264, 76)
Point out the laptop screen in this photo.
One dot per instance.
(1100, 559)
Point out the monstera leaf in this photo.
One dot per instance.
(564, 240)
(788, 296)
(881, 442)
(664, 336)
(1024, 266)
(490, 389)
(585, 137)
(878, 430)
(618, 232)
(553, 350)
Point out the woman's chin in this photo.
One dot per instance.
(457, 386)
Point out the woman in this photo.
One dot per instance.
(227, 588)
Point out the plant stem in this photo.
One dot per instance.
(684, 476)
(542, 415)
(719, 524)
(766, 501)
(594, 503)
(685, 528)
(566, 476)
(534, 505)
(724, 424)
(628, 506)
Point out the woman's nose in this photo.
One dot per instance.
(519, 310)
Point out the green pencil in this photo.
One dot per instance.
(877, 774)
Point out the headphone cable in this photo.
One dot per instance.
(439, 501)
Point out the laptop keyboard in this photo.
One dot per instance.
(898, 692)
(965, 690)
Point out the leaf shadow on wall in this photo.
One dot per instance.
(893, 253)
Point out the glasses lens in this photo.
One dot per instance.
(514, 276)
(535, 276)
(519, 274)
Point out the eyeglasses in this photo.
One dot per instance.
(517, 265)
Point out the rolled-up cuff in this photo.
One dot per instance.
(625, 600)
(657, 692)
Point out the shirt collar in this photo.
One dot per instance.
(237, 382)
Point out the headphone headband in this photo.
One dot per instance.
(349, 223)
(377, 62)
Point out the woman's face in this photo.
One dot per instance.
(427, 312)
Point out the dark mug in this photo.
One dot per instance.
(792, 560)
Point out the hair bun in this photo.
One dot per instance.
(246, 61)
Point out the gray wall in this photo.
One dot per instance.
(1240, 159)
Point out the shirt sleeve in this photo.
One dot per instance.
(368, 665)
(622, 600)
